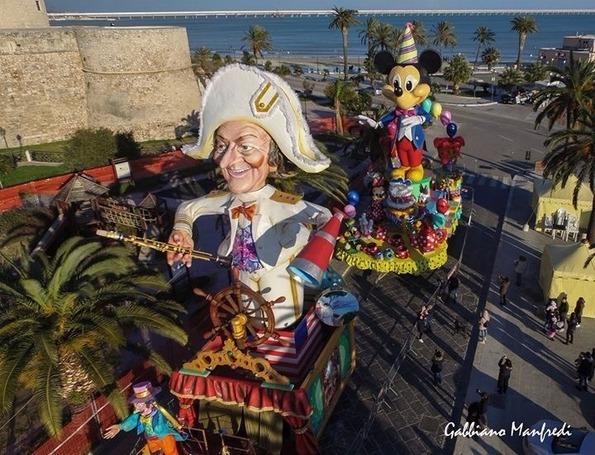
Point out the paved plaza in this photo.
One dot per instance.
(385, 412)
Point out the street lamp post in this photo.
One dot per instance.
(493, 79)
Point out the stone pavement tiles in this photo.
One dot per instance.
(412, 412)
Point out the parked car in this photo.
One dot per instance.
(573, 441)
(507, 98)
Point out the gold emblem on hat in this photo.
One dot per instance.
(265, 98)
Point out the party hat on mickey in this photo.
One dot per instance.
(407, 50)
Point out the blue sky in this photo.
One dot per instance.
(202, 5)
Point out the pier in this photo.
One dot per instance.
(297, 13)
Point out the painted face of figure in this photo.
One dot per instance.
(143, 409)
(241, 150)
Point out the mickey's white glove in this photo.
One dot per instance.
(413, 120)
(363, 120)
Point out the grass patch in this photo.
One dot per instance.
(26, 174)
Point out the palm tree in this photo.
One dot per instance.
(491, 57)
(483, 35)
(458, 72)
(571, 94)
(443, 35)
(258, 40)
(340, 92)
(523, 25)
(368, 34)
(572, 152)
(66, 318)
(387, 38)
(510, 78)
(535, 72)
(418, 30)
(342, 20)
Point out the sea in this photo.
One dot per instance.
(309, 37)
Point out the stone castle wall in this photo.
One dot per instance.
(19, 14)
(56, 80)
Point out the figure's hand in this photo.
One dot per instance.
(111, 431)
(413, 120)
(184, 240)
(363, 120)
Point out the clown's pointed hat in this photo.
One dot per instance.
(407, 51)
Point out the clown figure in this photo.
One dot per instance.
(159, 428)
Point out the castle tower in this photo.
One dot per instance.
(19, 14)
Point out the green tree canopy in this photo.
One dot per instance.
(458, 71)
(258, 40)
(570, 96)
(443, 35)
(523, 25)
(483, 35)
(343, 19)
(491, 57)
(65, 319)
(89, 148)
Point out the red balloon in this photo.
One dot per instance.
(442, 206)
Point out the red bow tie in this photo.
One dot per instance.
(248, 211)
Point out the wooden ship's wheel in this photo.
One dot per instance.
(240, 313)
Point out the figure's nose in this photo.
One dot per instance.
(398, 91)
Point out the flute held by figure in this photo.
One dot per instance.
(224, 261)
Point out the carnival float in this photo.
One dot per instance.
(411, 208)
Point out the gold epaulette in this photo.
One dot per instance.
(287, 198)
(216, 193)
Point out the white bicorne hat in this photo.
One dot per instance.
(240, 92)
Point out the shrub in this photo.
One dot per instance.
(89, 148)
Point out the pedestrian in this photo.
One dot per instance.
(578, 310)
(420, 323)
(584, 370)
(504, 283)
(436, 368)
(453, 288)
(477, 414)
(505, 365)
(429, 319)
(563, 313)
(484, 321)
(551, 325)
(592, 365)
(571, 328)
(520, 265)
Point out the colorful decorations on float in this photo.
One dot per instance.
(411, 210)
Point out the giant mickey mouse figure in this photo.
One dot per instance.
(408, 86)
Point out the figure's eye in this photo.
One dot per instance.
(397, 82)
(410, 83)
(220, 148)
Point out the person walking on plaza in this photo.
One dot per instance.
(571, 328)
(477, 414)
(484, 321)
(436, 368)
(429, 319)
(584, 370)
(420, 323)
(504, 283)
(505, 365)
(520, 266)
(578, 310)
(453, 288)
(563, 313)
